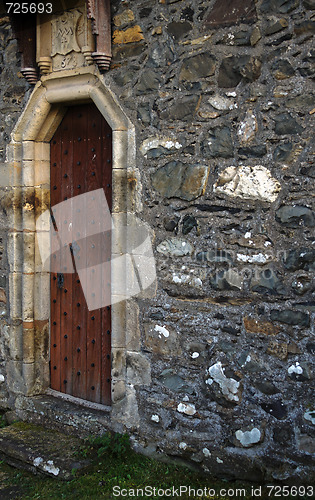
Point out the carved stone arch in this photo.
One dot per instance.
(29, 151)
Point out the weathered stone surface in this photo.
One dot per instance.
(215, 256)
(221, 103)
(286, 124)
(309, 4)
(248, 128)
(174, 382)
(278, 349)
(308, 171)
(171, 224)
(254, 325)
(267, 282)
(199, 66)
(254, 183)
(230, 12)
(234, 68)
(41, 450)
(309, 415)
(162, 54)
(126, 51)
(275, 408)
(290, 317)
(255, 151)
(189, 223)
(275, 25)
(150, 81)
(255, 36)
(178, 29)
(299, 371)
(225, 389)
(301, 103)
(247, 439)
(124, 18)
(154, 147)
(181, 109)
(180, 180)
(283, 152)
(129, 35)
(144, 113)
(283, 69)
(306, 443)
(305, 27)
(219, 143)
(281, 6)
(3, 297)
(237, 38)
(302, 284)
(175, 247)
(295, 216)
(227, 280)
(161, 339)
(301, 258)
(266, 387)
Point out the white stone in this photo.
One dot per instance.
(253, 183)
(310, 416)
(295, 369)
(183, 446)
(187, 408)
(51, 468)
(186, 279)
(174, 247)
(1, 379)
(155, 142)
(254, 259)
(219, 460)
(228, 386)
(206, 452)
(221, 103)
(195, 355)
(248, 438)
(155, 418)
(248, 128)
(162, 330)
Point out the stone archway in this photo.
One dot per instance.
(29, 153)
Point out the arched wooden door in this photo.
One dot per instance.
(80, 348)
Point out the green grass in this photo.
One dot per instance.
(132, 472)
(115, 464)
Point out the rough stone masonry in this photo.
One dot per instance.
(222, 97)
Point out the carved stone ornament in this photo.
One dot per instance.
(71, 40)
(64, 40)
(64, 33)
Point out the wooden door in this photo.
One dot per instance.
(80, 349)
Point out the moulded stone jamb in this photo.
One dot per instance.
(30, 146)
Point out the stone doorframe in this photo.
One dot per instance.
(29, 288)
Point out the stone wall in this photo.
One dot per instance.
(14, 93)
(221, 96)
